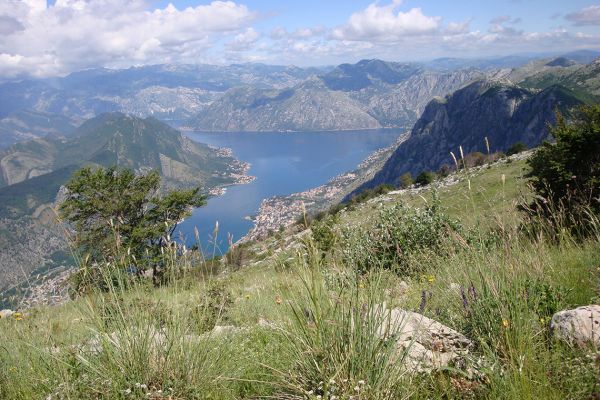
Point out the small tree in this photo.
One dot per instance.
(113, 210)
(566, 175)
(406, 180)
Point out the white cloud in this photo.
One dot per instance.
(587, 16)
(244, 41)
(43, 40)
(386, 23)
(457, 28)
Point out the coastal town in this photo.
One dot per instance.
(282, 211)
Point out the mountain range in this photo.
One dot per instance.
(368, 94)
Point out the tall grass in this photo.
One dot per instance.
(338, 340)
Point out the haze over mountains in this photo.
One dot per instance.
(256, 97)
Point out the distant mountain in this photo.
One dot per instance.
(309, 106)
(504, 113)
(582, 56)
(162, 91)
(582, 79)
(369, 94)
(109, 139)
(365, 73)
(561, 62)
(27, 124)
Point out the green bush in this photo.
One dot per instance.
(399, 234)
(323, 233)
(516, 148)
(566, 175)
(406, 180)
(425, 178)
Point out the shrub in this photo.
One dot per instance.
(406, 180)
(323, 233)
(444, 171)
(425, 178)
(399, 234)
(516, 148)
(566, 175)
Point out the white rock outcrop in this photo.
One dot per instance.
(423, 343)
(578, 326)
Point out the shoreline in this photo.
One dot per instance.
(278, 211)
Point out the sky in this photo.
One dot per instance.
(40, 38)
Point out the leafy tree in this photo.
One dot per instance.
(566, 175)
(113, 209)
(425, 178)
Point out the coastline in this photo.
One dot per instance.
(278, 211)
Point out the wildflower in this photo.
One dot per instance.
(18, 316)
(278, 299)
(361, 285)
(505, 323)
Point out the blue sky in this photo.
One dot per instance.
(535, 14)
(47, 38)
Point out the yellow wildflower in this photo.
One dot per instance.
(361, 285)
(18, 316)
(505, 323)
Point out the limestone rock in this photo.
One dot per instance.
(423, 343)
(578, 326)
(6, 313)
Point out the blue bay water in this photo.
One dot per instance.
(283, 163)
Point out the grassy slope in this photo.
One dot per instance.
(523, 364)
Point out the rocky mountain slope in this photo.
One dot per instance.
(117, 139)
(582, 79)
(367, 95)
(162, 91)
(308, 106)
(26, 124)
(503, 113)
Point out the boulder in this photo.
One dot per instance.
(422, 343)
(579, 326)
(6, 313)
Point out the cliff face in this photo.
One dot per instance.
(503, 113)
(309, 106)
